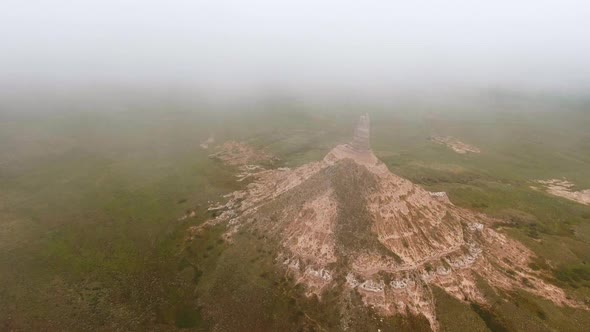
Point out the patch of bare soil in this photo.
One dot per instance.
(348, 221)
(239, 153)
(189, 214)
(563, 188)
(205, 145)
(454, 144)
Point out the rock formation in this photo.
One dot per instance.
(455, 144)
(205, 145)
(563, 188)
(348, 223)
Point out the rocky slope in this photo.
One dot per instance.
(348, 223)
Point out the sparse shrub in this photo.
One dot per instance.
(575, 276)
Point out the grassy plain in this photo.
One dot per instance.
(90, 200)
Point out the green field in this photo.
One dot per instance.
(90, 200)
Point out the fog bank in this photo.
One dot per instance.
(224, 48)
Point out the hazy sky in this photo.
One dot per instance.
(241, 46)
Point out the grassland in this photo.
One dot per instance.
(90, 200)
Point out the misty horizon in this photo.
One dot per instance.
(227, 49)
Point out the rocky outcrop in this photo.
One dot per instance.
(563, 188)
(454, 144)
(210, 140)
(348, 221)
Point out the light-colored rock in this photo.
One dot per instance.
(563, 188)
(424, 239)
(205, 145)
(454, 144)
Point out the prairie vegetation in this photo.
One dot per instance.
(90, 201)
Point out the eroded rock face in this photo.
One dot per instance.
(348, 221)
